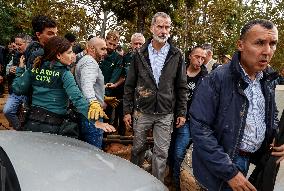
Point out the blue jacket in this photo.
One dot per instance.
(217, 120)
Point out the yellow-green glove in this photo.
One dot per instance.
(96, 111)
(112, 101)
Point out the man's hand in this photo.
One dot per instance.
(22, 61)
(127, 120)
(278, 152)
(1, 79)
(105, 127)
(112, 101)
(240, 183)
(110, 85)
(96, 111)
(13, 69)
(180, 122)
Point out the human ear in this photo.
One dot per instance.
(58, 56)
(37, 34)
(240, 45)
(151, 28)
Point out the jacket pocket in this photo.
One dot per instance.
(144, 97)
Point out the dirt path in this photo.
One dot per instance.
(3, 119)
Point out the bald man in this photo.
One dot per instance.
(90, 80)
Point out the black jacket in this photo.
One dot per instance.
(141, 92)
(33, 50)
(264, 175)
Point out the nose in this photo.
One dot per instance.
(200, 60)
(164, 30)
(73, 57)
(267, 49)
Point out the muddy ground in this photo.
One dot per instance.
(3, 121)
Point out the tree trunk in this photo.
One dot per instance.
(141, 16)
(103, 28)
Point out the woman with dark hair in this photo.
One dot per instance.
(52, 84)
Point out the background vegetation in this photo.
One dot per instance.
(194, 21)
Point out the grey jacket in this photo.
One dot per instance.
(143, 94)
(90, 79)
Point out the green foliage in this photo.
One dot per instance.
(8, 24)
(139, 12)
(71, 16)
(194, 22)
(219, 22)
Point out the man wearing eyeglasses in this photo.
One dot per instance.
(155, 94)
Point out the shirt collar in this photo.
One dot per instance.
(245, 76)
(209, 62)
(164, 49)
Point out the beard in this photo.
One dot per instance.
(161, 39)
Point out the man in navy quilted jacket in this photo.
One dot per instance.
(233, 114)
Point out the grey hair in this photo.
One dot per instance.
(207, 47)
(137, 35)
(262, 22)
(25, 37)
(159, 14)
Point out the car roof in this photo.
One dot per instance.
(51, 162)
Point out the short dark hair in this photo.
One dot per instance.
(41, 22)
(188, 53)
(194, 48)
(262, 22)
(70, 37)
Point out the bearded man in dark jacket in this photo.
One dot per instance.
(155, 94)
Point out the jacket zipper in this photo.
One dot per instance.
(268, 120)
(232, 156)
(166, 62)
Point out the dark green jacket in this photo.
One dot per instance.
(112, 68)
(127, 58)
(33, 50)
(52, 86)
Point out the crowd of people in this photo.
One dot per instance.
(226, 110)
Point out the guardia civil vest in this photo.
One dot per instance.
(48, 90)
(49, 75)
